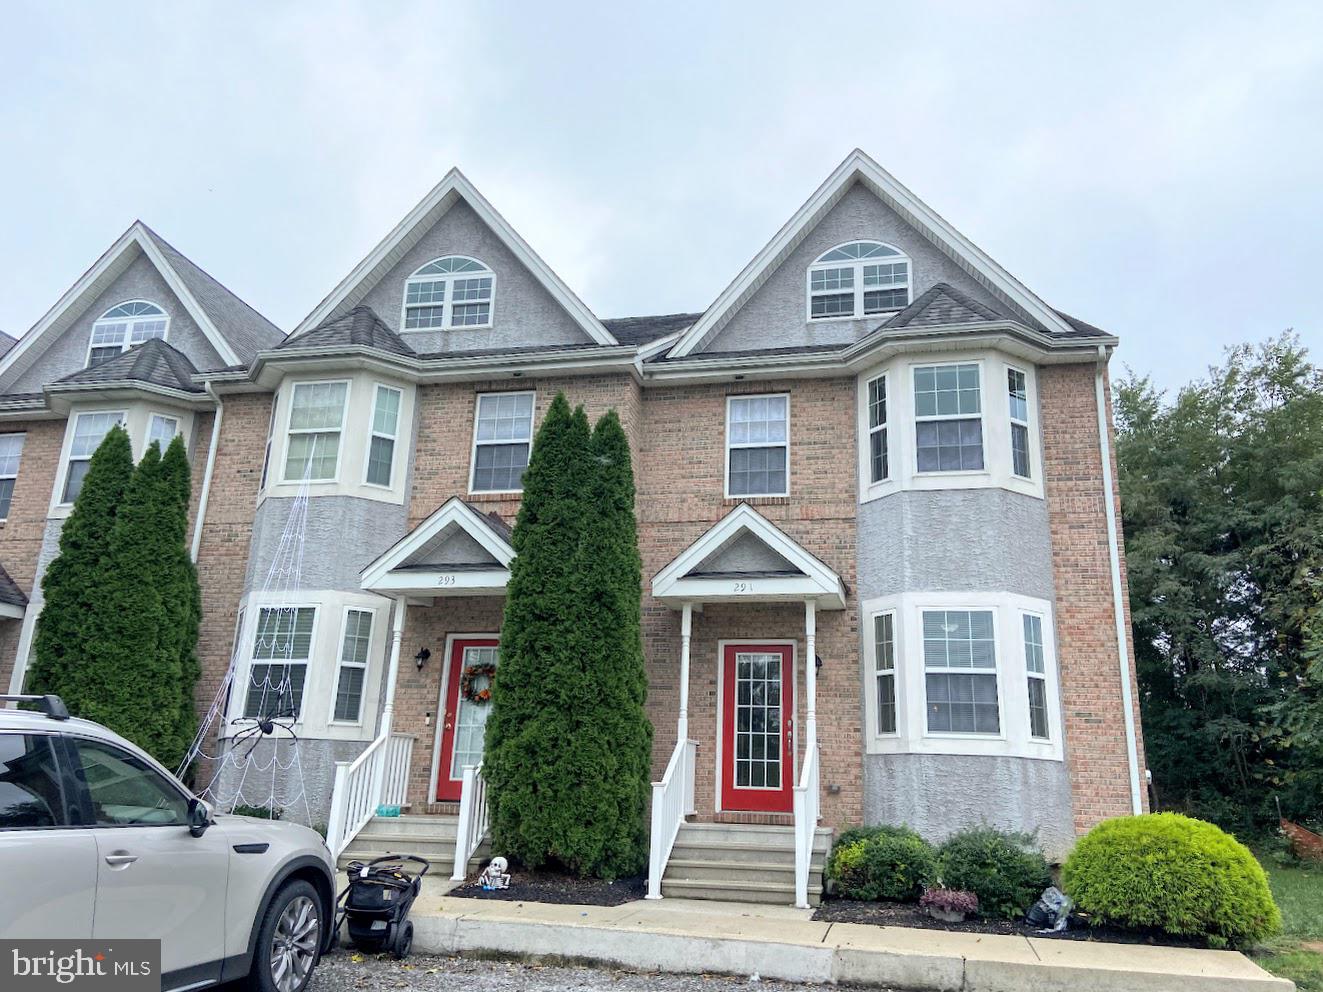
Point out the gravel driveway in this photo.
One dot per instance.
(340, 973)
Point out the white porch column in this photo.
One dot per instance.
(393, 666)
(811, 671)
(686, 629)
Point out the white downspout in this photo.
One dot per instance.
(1118, 593)
(206, 476)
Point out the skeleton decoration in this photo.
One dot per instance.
(496, 875)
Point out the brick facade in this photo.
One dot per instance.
(1086, 631)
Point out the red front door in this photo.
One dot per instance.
(464, 719)
(757, 727)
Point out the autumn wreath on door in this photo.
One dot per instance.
(475, 685)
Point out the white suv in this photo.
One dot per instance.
(98, 841)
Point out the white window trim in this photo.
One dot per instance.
(152, 415)
(66, 456)
(912, 735)
(239, 699)
(718, 752)
(1053, 720)
(884, 428)
(22, 444)
(128, 323)
(761, 444)
(270, 439)
(1030, 403)
(996, 671)
(857, 264)
(447, 313)
(901, 434)
(340, 445)
(340, 664)
(874, 674)
(981, 417)
(473, 448)
(372, 432)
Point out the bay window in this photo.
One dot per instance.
(948, 418)
(884, 655)
(1017, 395)
(878, 455)
(282, 645)
(316, 423)
(353, 666)
(90, 429)
(162, 430)
(758, 445)
(11, 453)
(960, 671)
(381, 440)
(1036, 673)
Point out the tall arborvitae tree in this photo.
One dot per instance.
(60, 645)
(182, 597)
(533, 788)
(612, 740)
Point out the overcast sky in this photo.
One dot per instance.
(1155, 168)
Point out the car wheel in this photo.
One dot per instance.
(403, 941)
(288, 942)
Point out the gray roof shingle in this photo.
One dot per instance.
(246, 330)
(644, 330)
(943, 304)
(153, 362)
(360, 326)
(9, 591)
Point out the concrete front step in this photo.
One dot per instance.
(748, 834)
(699, 850)
(734, 890)
(442, 863)
(419, 826)
(741, 863)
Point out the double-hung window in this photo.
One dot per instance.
(1036, 670)
(385, 429)
(503, 436)
(758, 445)
(353, 666)
(1017, 396)
(270, 436)
(879, 467)
(90, 429)
(960, 671)
(449, 292)
(948, 418)
(316, 422)
(857, 280)
(884, 663)
(281, 648)
(11, 453)
(123, 326)
(162, 430)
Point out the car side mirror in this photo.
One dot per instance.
(199, 817)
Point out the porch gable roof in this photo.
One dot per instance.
(704, 572)
(457, 551)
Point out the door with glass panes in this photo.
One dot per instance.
(757, 727)
(471, 664)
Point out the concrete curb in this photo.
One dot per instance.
(791, 950)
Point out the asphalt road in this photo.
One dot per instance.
(370, 973)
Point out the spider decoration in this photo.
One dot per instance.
(265, 725)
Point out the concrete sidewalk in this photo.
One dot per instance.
(680, 935)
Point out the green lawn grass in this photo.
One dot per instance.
(1299, 894)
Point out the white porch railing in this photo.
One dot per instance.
(806, 822)
(672, 800)
(354, 795)
(474, 819)
(399, 753)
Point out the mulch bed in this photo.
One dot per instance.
(545, 886)
(898, 914)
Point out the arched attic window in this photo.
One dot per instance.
(124, 325)
(455, 291)
(858, 279)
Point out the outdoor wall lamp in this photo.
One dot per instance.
(421, 657)
(817, 662)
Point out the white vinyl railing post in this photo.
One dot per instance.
(474, 819)
(335, 823)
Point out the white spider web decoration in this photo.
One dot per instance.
(261, 766)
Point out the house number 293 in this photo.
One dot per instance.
(743, 587)
(445, 580)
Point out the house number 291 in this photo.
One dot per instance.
(743, 587)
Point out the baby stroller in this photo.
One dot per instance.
(376, 903)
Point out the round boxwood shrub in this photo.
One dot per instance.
(1006, 871)
(1175, 873)
(893, 863)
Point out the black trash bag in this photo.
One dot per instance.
(1051, 911)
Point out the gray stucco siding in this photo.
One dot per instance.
(343, 535)
(310, 780)
(67, 353)
(775, 315)
(956, 540)
(940, 794)
(524, 312)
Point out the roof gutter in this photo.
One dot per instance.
(1118, 591)
(206, 476)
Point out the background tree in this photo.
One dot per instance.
(182, 598)
(531, 774)
(67, 587)
(1223, 512)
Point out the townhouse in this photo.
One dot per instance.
(876, 501)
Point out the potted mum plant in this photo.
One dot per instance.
(949, 905)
